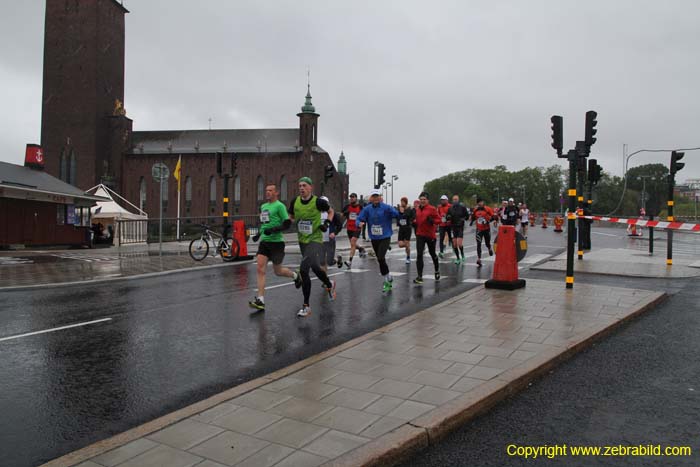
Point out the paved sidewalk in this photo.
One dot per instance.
(626, 262)
(384, 395)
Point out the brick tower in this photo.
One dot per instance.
(84, 129)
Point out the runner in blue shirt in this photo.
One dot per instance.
(378, 218)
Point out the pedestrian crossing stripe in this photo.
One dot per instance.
(355, 271)
(474, 281)
(397, 273)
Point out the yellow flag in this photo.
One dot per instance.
(178, 172)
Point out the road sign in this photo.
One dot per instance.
(160, 171)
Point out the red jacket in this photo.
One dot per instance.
(423, 227)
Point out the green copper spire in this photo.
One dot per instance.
(342, 164)
(308, 107)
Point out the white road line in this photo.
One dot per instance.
(606, 234)
(292, 283)
(55, 329)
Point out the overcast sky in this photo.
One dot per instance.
(428, 88)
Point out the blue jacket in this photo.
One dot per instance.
(378, 220)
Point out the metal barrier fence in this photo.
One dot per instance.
(146, 231)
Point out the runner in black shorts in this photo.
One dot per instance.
(350, 212)
(405, 222)
(457, 214)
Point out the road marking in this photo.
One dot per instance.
(606, 234)
(474, 281)
(313, 279)
(55, 329)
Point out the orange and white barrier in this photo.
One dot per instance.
(672, 225)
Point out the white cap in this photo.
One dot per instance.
(443, 197)
(511, 199)
(375, 191)
(324, 198)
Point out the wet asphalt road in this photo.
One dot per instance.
(170, 341)
(638, 386)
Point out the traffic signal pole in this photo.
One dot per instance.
(571, 220)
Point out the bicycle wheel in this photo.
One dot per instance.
(199, 249)
(232, 250)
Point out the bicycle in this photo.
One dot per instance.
(227, 248)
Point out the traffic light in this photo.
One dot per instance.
(381, 174)
(328, 172)
(594, 171)
(591, 123)
(675, 165)
(557, 133)
(219, 163)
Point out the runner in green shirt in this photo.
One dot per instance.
(306, 210)
(273, 220)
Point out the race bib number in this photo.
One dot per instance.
(402, 222)
(444, 219)
(481, 221)
(377, 230)
(305, 227)
(265, 217)
(511, 214)
(353, 216)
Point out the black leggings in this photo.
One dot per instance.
(311, 254)
(380, 248)
(421, 242)
(444, 230)
(486, 235)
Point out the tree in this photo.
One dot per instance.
(656, 189)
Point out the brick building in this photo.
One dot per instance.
(88, 139)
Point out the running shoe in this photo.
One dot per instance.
(304, 312)
(458, 261)
(441, 255)
(408, 260)
(331, 291)
(257, 304)
(437, 276)
(348, 264)
(297, 279)
(490, 252)
(363, 253)
(478, 263)
(418, 280)
(387, 286)
(339, 261)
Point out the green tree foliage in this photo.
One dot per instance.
(654, 179)
(539, 187)
(606, 196)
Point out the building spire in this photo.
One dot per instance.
(308, 107)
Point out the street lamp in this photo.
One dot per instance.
(643, 178)
(393, 182)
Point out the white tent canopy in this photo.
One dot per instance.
(129, 227)
(110, 209)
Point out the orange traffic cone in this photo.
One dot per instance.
(505, 268)
(544, 220)
(558, 222)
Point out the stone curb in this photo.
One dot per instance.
(400, 444)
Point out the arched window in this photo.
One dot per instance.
(62, 172)
(283, 188)
(188, 194)
(212, 194)
(142, 193)
(261, 189)
(72, 176)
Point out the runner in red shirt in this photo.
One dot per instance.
(350, 212)
(426, 219)
(482, 215)
(445, 226)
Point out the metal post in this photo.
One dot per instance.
(160, 217)
(669, 232)
(226, 179)
(651, 237)
(581, 165)
(571, 221)
(589, 212)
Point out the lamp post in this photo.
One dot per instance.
(393, 182)
(643, 178)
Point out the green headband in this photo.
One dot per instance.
(306, 180)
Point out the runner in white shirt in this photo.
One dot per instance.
(524, 219)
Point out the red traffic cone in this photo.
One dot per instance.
(505, 268)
